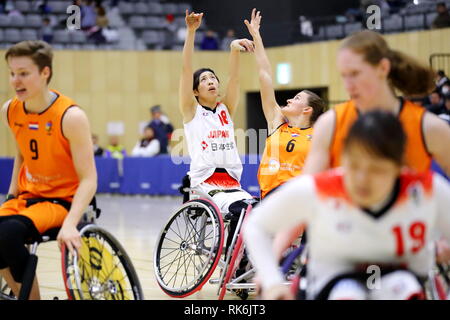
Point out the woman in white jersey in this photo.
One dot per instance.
(215, 167)
(367, 215)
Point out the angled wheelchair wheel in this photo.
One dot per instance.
(438, 284)
(5, 291)
(189, 248)
(236, 257)
(237, 252)
(101, 270)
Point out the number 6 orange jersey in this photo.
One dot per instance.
(47, 170)
(284, 156)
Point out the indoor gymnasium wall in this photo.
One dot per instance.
(123, 85)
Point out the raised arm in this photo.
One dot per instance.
(437, 139)
(75, 126)
(231, 98)
(271, 109)
(187, 99)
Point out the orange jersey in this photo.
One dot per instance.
(411, 116)
(284, 156)
(47, 170)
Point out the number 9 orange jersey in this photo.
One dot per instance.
(47, 170)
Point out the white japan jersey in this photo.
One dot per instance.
(342, 238)
(211, 144)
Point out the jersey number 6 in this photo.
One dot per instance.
(290, 146)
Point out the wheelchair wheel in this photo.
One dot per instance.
(189, 248)
(101, 271)
(5, 291)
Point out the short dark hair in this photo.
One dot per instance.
(197, 76)
(441, 73)
(381, 133)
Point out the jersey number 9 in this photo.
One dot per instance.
(34, 149)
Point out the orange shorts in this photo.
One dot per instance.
(45, 215)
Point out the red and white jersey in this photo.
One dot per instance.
(211, 144)
(343, 237)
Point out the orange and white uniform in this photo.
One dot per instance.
(411, 116)
(344, 238)
(284, 156)
(47, 170)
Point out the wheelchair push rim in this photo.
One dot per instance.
(101, 270)
(189, 248)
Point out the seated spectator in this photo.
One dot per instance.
(88, 15)
(162, 128)
(443, 18)
(43, 7)
(306, 28)
(7, 6)
(441, 80)
(115, 150)
(445, 114)
(98, 151)
(396, 5)
(148, 146)
(445, 89)
(209, 41)
(96, 32)
(46, 31)
(226, 41)
(435, 106)
(170, 28)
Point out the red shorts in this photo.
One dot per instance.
(45, 215)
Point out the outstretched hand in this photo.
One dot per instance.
(193, 20)
(243, 45)
(253, 25)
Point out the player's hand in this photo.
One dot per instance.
(443, 251)
(193, 20)
(243, 45)
(253, 25)
(278, 292)
(70, 236)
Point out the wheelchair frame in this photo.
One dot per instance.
(228, 264)
(87, 225)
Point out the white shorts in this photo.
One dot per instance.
(220, 196)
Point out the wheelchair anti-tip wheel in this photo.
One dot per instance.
(189, 248)
(101, 270)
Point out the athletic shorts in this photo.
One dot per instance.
(45, 215)
(223, 190)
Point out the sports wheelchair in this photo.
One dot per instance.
(190, 247)
(294, 266)
(100, 271)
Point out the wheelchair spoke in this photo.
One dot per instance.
(165, 238)
(188, 223)
(169, 264)
(169, 252)
(175, 275)
(178, 227)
